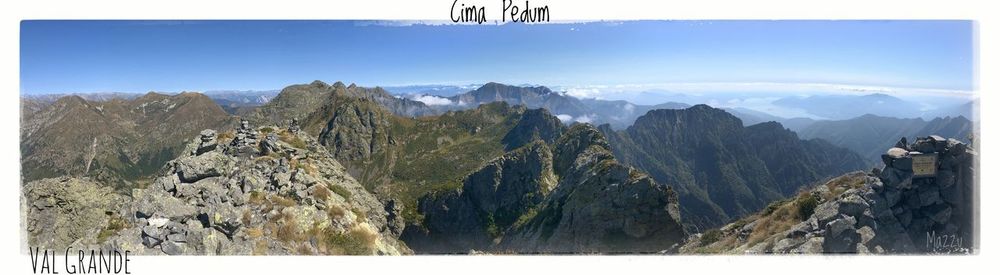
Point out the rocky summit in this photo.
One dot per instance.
(262, 190)
(922, 201)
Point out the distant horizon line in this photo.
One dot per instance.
(595, 90)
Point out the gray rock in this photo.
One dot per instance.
(838, 226)
(177, 237)
(208, 142)
(867, 234)
(861, 249)
(163, 205)
(787, 244)
(939, 213)
(853, 205)
(152, 236)
(929, 195)
(167, 183)
(826, 212)
(897, 152)
(945, 179)
(172, 248)
(956, 147)
(892, 196)
(211, 164)
(903, 163)
(905, 217)
(812, 246)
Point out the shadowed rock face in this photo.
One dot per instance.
(596, 206)
(491, 200)
(270, 192)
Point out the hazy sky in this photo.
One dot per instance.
(171, 56)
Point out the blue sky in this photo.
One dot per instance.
(172, 56)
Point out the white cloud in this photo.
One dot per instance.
(583, 92)
(564, 118)
(432, 100)
(585, 118)
(704, 88)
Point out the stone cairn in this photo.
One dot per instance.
(293, 126)
(930, 213)
(245, 141)
(897, 209)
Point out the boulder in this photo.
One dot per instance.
(211, 164)
(903, 163)
(929, 195)
(826, 212)
(897, 153)
(853, 205)
(172, 248)
(813, 245)
(939, 213)
(839, 226)
(155, 204)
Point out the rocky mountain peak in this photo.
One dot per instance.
(517, 203)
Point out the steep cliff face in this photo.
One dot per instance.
(599, 205)
(258, 191)
(490, 201)
(902, 208)
(721, 169)
(596, 206)
(535, 124)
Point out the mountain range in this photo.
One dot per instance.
(868, 134)
(720, 168)
(500, 168)
(115, 140)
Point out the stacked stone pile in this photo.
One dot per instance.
(896, 210)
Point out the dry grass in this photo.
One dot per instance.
(357, 241)
(255, 232)
(257, 198)
(247, 217)
(321, 193)
(776, 218)
(283, 201)
(288, 231)
(291, 139)
(838, 185)
(336, 212)
(115, 224)
(226, 137)
(340, 190)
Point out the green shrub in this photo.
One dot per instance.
(710, 237)
(340, 190)
(355, 242)
(806, 206)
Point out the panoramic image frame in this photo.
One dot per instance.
(336, 137)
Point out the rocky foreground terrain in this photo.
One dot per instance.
(264, 190)
(884, 211)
